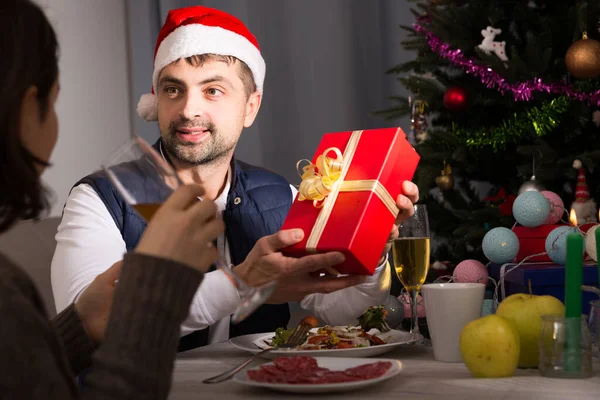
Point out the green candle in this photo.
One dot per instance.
(597, 232)
(573, 282)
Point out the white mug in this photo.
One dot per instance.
(449, 307)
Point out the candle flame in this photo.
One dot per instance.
(573, 217)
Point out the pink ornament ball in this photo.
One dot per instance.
(470, 271)
(405, 300)
(557, 207)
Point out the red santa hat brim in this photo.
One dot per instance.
(197, 39)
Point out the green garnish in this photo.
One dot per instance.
(281, 336)
(374, 318)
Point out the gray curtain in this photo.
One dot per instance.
(326, 63)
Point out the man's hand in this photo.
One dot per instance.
(297, 277)
(93, 306)
(406, 205)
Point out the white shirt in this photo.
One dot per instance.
(89, 242)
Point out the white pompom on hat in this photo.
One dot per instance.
(201, 30)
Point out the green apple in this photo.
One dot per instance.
(490, 347)
(525, 311)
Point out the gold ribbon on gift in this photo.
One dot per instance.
(323, 181)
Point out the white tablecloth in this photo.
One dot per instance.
(422, 378)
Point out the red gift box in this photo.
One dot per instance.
(533, 240)
(346, 201)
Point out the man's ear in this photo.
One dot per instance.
(252, 107)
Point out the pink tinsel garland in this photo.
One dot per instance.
(522, 91)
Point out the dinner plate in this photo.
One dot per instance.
(254, 343)
(332, 363)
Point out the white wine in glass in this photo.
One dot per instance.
(145, 180)
(411, 257)
(411, 261)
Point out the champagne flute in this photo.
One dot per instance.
(410, 253)
(145, 180)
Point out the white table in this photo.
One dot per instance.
(422, 378)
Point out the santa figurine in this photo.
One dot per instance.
(584, 206)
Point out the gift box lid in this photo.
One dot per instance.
(542, 231)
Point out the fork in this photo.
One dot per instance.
(296, 338)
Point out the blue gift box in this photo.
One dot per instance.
(545, 278)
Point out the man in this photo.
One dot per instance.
(206, 87)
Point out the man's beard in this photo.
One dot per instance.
(207, 152)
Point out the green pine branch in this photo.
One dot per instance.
(554, 129)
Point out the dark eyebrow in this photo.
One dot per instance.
(171, 79)
(217, 78)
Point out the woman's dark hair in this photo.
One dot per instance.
(29, 58)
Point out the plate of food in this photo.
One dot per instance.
(370, 337)
(303, 374)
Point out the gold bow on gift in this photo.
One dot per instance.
(318, 179)
(326, 178)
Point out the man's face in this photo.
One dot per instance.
(202, 110)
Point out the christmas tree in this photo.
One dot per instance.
(501, 91)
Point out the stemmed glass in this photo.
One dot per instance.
(145, 180)
(410, 253)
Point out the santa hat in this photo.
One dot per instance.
(201, 30)
(582, 193)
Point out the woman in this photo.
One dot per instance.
(40, 359)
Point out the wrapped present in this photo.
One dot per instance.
(542, 278)
(346, 201)
(533, 241)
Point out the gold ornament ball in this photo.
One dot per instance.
(445, 182)
(583, 58)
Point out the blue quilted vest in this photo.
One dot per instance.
(257, 204)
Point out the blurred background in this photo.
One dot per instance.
(326, 64)
(326, 72)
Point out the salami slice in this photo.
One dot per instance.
(337, 377)
(305, 370)
(296, 363)
(369, 371)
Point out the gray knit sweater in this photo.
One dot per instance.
(39, 359)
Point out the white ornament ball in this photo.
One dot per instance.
(470, 271)
(557, 207)
(590, 243)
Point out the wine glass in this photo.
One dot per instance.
(145, 180)
(410, 253)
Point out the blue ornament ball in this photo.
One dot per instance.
(556, 244)
(500, 245)
(531, 209)
(488, 307)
